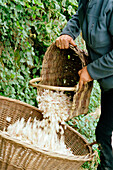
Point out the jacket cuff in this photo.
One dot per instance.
(91, 71)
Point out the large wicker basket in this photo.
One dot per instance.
(60, 72)
(18, 155)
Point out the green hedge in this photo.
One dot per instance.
(27, 28)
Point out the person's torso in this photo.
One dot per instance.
(94, 25)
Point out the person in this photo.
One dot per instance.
(95, 19)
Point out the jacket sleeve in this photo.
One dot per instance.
(103, 67)
(73, 27)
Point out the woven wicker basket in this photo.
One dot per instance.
(17, 155)
(60, 72)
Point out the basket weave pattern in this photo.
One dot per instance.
(17, 155)
(60, 68)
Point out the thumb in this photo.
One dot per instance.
(72, 42)
(80, 84)
(79, 72)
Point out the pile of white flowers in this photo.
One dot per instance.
(48, 133)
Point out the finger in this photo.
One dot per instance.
(63, 41)
(66, 44)
(81, 84)
(85, 83)
(79, 72)
(72, 42)
(62, 44)
(57, 42)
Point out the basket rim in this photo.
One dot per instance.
(19, 102)
(36, 149)
(49, 87)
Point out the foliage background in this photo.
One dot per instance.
(27, 28)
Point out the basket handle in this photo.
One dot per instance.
(93, 143)
(77, 51)
(33, 81)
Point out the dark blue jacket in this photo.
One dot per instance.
(95, 19)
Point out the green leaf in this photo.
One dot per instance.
(18, 7)
(70, 123)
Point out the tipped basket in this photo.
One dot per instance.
(18, 155)
(60, 73)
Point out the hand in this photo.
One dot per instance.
(84, 77)
(63, 41)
